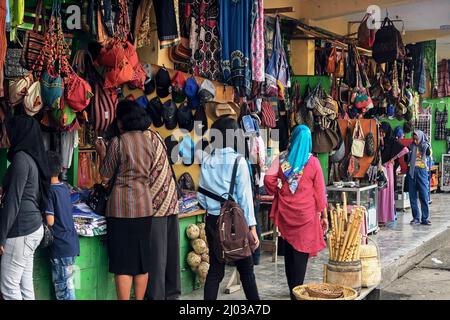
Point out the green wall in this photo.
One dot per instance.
(439, 147)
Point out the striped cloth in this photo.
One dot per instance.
(443, 79)
(144, 185)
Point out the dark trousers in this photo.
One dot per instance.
(295, 263)
(217, 269)
(164, 282)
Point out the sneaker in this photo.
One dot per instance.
(414, 221)
(426, 223)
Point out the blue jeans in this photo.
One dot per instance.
(62, 273)
(419, 188)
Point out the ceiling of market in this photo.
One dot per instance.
(422, 18)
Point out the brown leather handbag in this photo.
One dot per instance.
(34, 40)
(332, 60)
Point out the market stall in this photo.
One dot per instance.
(182, 71)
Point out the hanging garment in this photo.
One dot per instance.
(142, 25)
(235, 18)
(69, 141)
(430, 56)
(166, 21)
(418, 57)
(204, 39)
(441, 118)
(258, 41)
(444, 79)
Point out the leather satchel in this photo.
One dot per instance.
(34, 40)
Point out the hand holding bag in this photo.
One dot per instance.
(359, 141)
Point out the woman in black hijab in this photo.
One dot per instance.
(391, 150)
(25, 195)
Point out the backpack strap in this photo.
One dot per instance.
(233, 177)
(218, 198)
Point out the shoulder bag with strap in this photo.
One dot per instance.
(233, 240)
(98, 200)
(359, 142)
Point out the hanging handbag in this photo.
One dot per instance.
(34, 40)
(13, 68)
(52, 90)
(78, 92)
(359, 142)
(268, 115)
(388, 45)
(340, 68)
(332, 60)
(98, 200)
(366, 36)
(18, 89)
(370, 142)
(32, 102)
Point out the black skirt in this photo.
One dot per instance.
(129, 245)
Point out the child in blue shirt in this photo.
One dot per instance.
(66, 245)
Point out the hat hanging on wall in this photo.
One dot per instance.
(216, 110)
(185, 117)
(207, 91)
(191, 91)
(178, 83)
(155, 111)
(172, 149)
(163, 82)
(169, 114)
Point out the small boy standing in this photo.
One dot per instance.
(65, 245)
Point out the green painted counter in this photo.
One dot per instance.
(92, 279)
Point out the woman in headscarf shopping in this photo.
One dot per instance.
(391, 151)
(299, 207)
(418, 180)
(25, 195)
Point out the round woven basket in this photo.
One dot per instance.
(303, 292)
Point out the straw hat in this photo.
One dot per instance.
(216, 110)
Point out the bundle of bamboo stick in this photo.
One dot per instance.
(344, 237)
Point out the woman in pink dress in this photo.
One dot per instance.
(296, 180)
(391, 150)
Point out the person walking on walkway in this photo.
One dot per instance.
(215, 177)
(299, 207)
(418, 180)
(391, 150)
(26, 193)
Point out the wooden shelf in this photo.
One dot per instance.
(191, 214)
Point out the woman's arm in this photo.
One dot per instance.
(319, 187)
(271, 177)
(18, 171)
(402, 153)
(109, 160)
(243, 192)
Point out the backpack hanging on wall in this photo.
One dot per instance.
(388, 45)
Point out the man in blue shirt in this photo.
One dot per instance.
(65, 245)
(216, 174)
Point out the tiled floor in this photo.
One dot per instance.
(395, 241)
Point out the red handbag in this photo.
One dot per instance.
(119, 75)
(268, 115)
(139, 74)
(78, 92)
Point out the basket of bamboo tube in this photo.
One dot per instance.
(344, 243)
